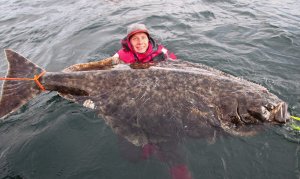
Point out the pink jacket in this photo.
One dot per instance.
(155, 52)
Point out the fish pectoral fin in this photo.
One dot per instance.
(98, 65)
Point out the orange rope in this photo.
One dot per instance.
(35, 79)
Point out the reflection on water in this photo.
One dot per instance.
(53, 138)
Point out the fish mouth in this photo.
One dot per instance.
(280, 114)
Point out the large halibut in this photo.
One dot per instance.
(164, 102)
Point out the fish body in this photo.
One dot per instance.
(165, 102)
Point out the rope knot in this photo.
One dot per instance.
(35, 79)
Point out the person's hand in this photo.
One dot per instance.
(142, 65)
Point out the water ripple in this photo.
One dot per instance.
(255, 40)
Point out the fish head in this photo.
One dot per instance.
(277, 113)
(271, 112)
(254, 108)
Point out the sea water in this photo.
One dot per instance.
(51, 137)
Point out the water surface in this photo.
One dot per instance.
(53, 138)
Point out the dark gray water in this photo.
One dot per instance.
(53, 138)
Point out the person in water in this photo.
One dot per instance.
(139, 47)
(139, 50)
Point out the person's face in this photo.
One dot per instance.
(139, 42)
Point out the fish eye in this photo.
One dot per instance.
(265, 113)
(269, 107)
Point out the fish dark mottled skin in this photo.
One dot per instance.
(165, 102)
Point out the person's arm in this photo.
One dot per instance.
(98, 65)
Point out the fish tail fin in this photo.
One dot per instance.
(20, 84)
